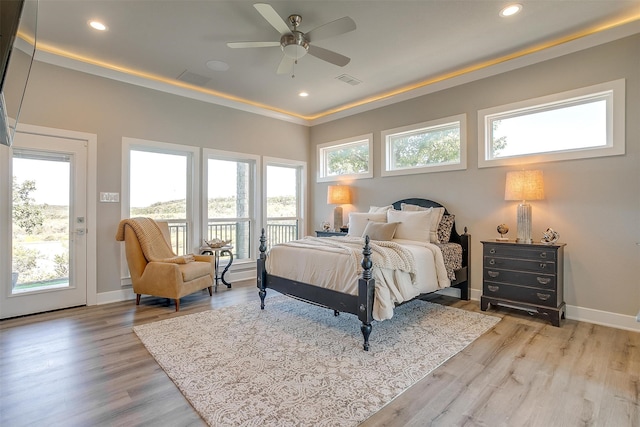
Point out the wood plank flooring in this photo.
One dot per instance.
(85, 367)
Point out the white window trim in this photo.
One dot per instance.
(615, 127)
(385, 159)
(256, 174)
(193, 189)
(302, 190)
(321, 169)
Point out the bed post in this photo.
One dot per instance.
(262, 271)
(465, 241)
(366, 286)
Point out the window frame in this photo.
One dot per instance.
(254, 208)
(193, 189)
(321, 150)
(386, 158)
(301, 191)
(615, 144)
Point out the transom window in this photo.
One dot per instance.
(347, 158)
(433, 146)
(587, 122)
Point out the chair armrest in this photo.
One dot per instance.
(204, 258)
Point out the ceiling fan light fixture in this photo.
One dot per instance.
(294, 45)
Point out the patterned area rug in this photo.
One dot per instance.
(295, 364)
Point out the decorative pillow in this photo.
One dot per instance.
(413, 225)
(380, 208)
(380, 230)
(445, 227)
(358, 221)
(435, 220)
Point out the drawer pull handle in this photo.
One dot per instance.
(493, 288)
(543, 280)
(492, 261)
(543, 255)
(492, 251)
(493, 273)
(543, 265)
(543, 297)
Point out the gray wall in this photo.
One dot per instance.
(65, 99)
(594, 203)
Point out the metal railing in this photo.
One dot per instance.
(238, 231)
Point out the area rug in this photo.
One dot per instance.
(296, 364)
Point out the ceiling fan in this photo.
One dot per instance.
(296, 44)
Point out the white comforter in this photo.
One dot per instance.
(334, 263)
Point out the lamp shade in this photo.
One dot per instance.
(338, 195)
(524, 185)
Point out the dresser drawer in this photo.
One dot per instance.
(520, 294)
(493, 262)
(531, 253)
(532, 280)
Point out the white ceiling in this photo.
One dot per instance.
(397, 43)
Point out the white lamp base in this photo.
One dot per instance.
(337, 218)
(524, 223)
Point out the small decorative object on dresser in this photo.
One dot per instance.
(502, 229)
(550, 236)
(527, 276)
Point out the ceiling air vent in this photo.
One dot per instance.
(349, 79)
(193, 78)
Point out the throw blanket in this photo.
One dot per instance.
(154, 246)
(384, 254)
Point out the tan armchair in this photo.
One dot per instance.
(155, 269)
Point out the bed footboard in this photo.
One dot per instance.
(360, 305)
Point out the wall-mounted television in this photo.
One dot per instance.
(18, 19)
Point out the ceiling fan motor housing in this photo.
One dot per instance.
(294, 45)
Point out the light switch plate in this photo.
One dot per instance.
(109, 197)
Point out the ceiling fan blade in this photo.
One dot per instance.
(329, 56)
(272, 18)
(286, 65)
(236, 45)
(333, 28)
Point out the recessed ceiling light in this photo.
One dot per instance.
(303, 94)
(510, 10)
(217, 65)
(97, 25)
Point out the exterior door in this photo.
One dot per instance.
(48, 250)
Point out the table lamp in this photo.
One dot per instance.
(338, 195)
(523, 186)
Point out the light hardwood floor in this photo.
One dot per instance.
(85, 367)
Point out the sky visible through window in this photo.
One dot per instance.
(575, 127)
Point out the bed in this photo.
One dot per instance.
(358, 297)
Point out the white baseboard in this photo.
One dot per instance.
(589, 315)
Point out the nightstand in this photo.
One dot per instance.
(329, 233)
(527, 276)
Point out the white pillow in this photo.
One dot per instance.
(380, 208)
(358, 221)
(435, 220)
(414, 225)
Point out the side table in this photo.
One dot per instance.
(217, 252)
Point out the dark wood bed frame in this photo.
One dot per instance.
(361, 304)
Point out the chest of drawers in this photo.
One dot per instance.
(527, 276)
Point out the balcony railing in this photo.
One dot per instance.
(239, 232)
